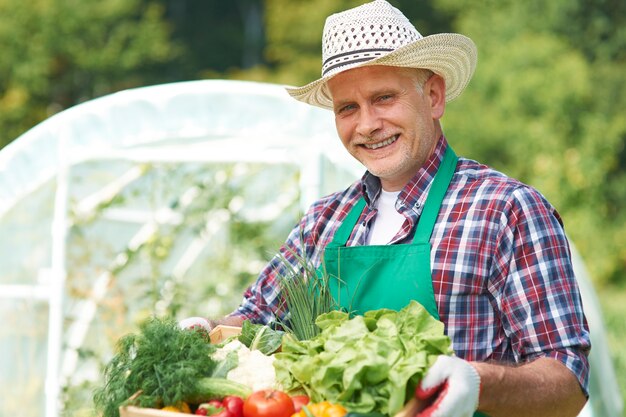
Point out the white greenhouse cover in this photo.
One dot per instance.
(78, 160)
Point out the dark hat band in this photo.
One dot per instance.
(352, 57)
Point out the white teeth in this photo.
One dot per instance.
(381, 144)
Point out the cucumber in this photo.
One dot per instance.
(217, 388)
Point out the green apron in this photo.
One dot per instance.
(363, 278)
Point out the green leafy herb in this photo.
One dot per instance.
(306, 296)
(366, 363)
(163, 361)
(260, 337)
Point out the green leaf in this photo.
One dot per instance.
(260, 337)
(366, 363)
(224, 366)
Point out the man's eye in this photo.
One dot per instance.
(345, 109)
(385, 97)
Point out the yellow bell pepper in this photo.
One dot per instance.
(323, 409)
(183, 408)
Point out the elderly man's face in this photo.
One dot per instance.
(385, 122)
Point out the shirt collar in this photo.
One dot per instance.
(414, 193)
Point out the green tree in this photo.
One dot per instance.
(217, 36)
(57, 53)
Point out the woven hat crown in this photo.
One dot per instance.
(364, 33)
(376, 33)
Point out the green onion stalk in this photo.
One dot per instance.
(306, 295)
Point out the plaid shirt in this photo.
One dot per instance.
(500, 262)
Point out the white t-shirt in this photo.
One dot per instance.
(388, 221)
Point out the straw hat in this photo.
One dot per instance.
(377, 33)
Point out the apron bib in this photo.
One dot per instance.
(363, 278)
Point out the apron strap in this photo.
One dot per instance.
(426, 225)
(345, 230)
(437, 191)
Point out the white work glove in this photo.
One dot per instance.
(453, 385)
(198, 323)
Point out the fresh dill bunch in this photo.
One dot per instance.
(162, 361)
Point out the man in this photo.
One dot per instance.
(483, 253)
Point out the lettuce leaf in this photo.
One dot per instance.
(260, 337)
(366, 363)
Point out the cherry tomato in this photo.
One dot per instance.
(299, 401)
(211, 408)
(234, 405)
(268, 403)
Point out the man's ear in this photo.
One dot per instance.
(436, 90)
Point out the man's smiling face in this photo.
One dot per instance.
(387, 120)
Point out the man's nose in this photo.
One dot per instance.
(369, 121)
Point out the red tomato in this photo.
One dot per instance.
(234, 405)
(299, 401)
(268, 403)
(212, 408)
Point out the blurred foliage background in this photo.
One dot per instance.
(546, 104)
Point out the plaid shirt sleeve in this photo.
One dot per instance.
(537, 294)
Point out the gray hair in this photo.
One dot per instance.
(423, 75)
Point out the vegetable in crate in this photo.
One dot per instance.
(254, 369)
(366, 363)
(306, 297)
(229, 406)
(323, 409)
(167, 364)
(268, 403)
(260, 337)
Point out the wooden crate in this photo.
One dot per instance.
(220, 333)
(132, 411)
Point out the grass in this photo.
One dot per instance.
(613, 302)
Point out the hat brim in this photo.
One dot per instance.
(451, 55)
